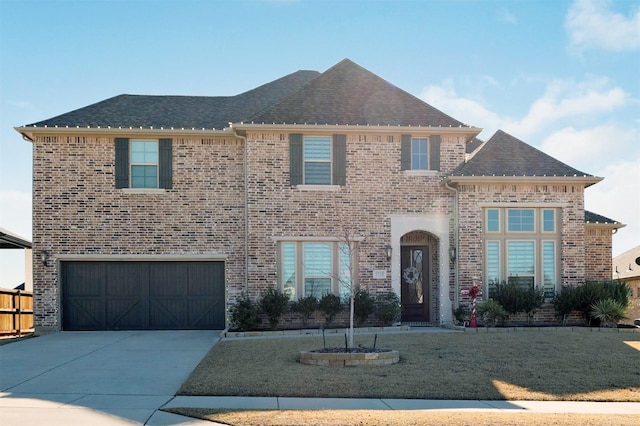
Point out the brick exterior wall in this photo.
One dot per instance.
(78, 211)
(598, 253)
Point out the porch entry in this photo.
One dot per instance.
(416, 258)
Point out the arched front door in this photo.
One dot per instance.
(414, 283)
(417, 251)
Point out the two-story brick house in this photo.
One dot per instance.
(159, 211)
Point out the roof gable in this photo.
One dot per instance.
(505, 155)
(347, 94)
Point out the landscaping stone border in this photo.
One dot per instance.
(552, 329)
(345, 359)
(311, 331)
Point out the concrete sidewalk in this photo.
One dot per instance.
(283, 403)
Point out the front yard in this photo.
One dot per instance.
(560, 364)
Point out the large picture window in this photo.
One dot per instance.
(314, 268)
(521, 248)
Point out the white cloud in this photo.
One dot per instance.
(618, 197)
(470, 111)
(588, 149)
(565, 99)
(503, 15)
(591, 25)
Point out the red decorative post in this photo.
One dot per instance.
(473, 292)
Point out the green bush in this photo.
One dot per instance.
(363, 306)
(462, 314)
(518, 298)
(582, 298)
(244, 315)
(608, 312)
(388, 308)
(305, 307)
(274, 304)
(330, 305)
(491, 312)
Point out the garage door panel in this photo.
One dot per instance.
(83, 314)
(143, 295)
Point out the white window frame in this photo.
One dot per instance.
(426, 153)
(538, 236)
(305, 160)
(133, 164)
(337, 274)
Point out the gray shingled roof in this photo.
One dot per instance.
(591, 217)
(349, 94)
(181, 111)
(505, 155)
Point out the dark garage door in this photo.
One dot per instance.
(142, 295)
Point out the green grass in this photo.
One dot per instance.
(528, 365)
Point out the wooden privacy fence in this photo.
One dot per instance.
(16, 312)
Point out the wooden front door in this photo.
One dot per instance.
(414, 283)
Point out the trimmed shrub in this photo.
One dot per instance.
(388, 308)
(330, 305)
(305, 307)
(516, 298)
(462, 314)
(244, 315)
(582, 298)
(363, 306)
(274, 304)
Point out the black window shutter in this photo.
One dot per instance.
(405, 155)
(122, 162)
(165, 164)
(339, 160)
(434, 152)
(296, 158)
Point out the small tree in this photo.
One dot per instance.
(244, 314)
(305, 306)
(274, 304)
(330, 305)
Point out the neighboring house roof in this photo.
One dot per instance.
(627, 265)
(9, 240)
(505, 155)
(180, 111)
(594, 218)
(347, 94)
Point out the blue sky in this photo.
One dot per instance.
(563, 76)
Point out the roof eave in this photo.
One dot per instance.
(586, 180)
(610, 225)
(468, 130)
(29, 132)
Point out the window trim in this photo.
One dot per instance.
(426, 153)
(305, 161)
(300, 277)
(155, 164)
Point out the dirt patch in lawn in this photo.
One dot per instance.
(536, 365)
(397, 418)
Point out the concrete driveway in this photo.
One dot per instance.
(119, 377)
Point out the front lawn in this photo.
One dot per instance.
(568, 364)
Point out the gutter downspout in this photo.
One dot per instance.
(246, 210)
(456, 219)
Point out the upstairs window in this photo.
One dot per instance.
(318, 160)
(420, 153)
(143, 163)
